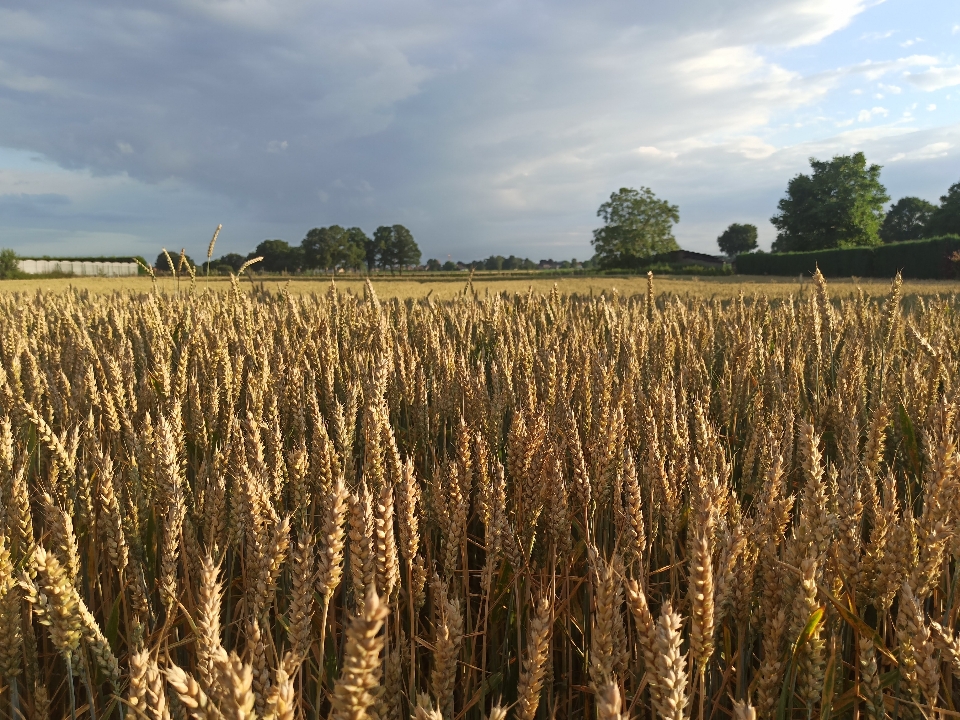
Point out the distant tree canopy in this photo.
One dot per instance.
(394, 247)
(334, 247)
(738, 239)
(839, 205)
(163, 266)
(9, 268)
(230, 261)
(945, 220)
(279, 257)
(637, 225)
(907, 219)
(328, 249)
(499, 262)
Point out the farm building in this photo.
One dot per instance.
(78, 267)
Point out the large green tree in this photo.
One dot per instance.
(278, 256)
(906, 219)
(377, 248)
(637, 225)
(175, 258)
(738, 238)
(231, 262)
(840, 204)
(8, 264)
(353, 251)
(945, 220)
(318, 247)
(396, 247)
(333, 247)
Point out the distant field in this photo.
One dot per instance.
(447, 287)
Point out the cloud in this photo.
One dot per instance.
(502, 125)
(927, 152)
(40, 200)
(935, 78)
(874, 70)
(877, 35)
(14, 79)
(868, 115)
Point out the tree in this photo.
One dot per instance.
(405, 250)
(333, 247)
(450, 266)
(354, 249)
(318, 247)
(738, 239)
(637, 225)
(396, 247)
(433, 265)
(9, 268)
(376, 249)
(906, 219)
(278, 256)
(839, 205)
(946, 218)
(175, 257)
(230, 261)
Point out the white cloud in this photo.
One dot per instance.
(20, 81)
(822, 18)
(956, 29)
(124, 147)
(877, 35)
(652, 152)
(908, 43)
(892, 89)
(927, 152)
(935, 78)
(868, 115)
(931, 107)
(876, 70)
(725, 68)
(276, 146)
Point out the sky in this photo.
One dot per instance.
(493, 127)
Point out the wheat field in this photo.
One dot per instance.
(522, 504)
(446, 287)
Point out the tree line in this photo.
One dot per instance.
(326, 249)
(840, 204)
(500, 263)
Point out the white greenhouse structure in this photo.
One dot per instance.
(78, 267)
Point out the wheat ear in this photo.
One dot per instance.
(360, 675)
(534, 661)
